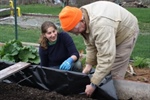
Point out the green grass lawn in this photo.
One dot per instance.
(40, 8)
(142, 47)
(143, 14)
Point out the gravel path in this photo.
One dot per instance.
(30, 20)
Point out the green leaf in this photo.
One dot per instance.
(25, 54)
(32, 49)
(36, 60)
(11, 47)
(8, 58)
(140, 62)
(14, 51)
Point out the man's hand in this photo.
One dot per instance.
(66, 65)
(90, 89)
(87, 69)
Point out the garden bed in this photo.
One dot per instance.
(36, 79)
(21, 92)
(15, 91)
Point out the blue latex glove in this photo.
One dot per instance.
(66, 65)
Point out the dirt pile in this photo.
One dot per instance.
(16, 92)
(142, 75)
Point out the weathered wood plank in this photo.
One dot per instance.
(13, 69)
(4, 9)
(30, 44)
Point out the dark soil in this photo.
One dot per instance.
(16, 92)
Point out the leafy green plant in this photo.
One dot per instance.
(14, 51)
(141, 62)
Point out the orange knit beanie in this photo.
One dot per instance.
(69, 17)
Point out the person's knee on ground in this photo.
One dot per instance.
(77, 66)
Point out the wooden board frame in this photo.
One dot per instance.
(12, 69)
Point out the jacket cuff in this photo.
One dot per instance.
(93, 85)
(96, 81)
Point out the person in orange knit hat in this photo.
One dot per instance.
(110, 33)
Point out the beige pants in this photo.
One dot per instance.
(123, 52)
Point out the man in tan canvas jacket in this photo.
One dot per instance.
(109, 32)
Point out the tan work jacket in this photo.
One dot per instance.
(108, 24)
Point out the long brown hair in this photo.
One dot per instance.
(43, 40)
